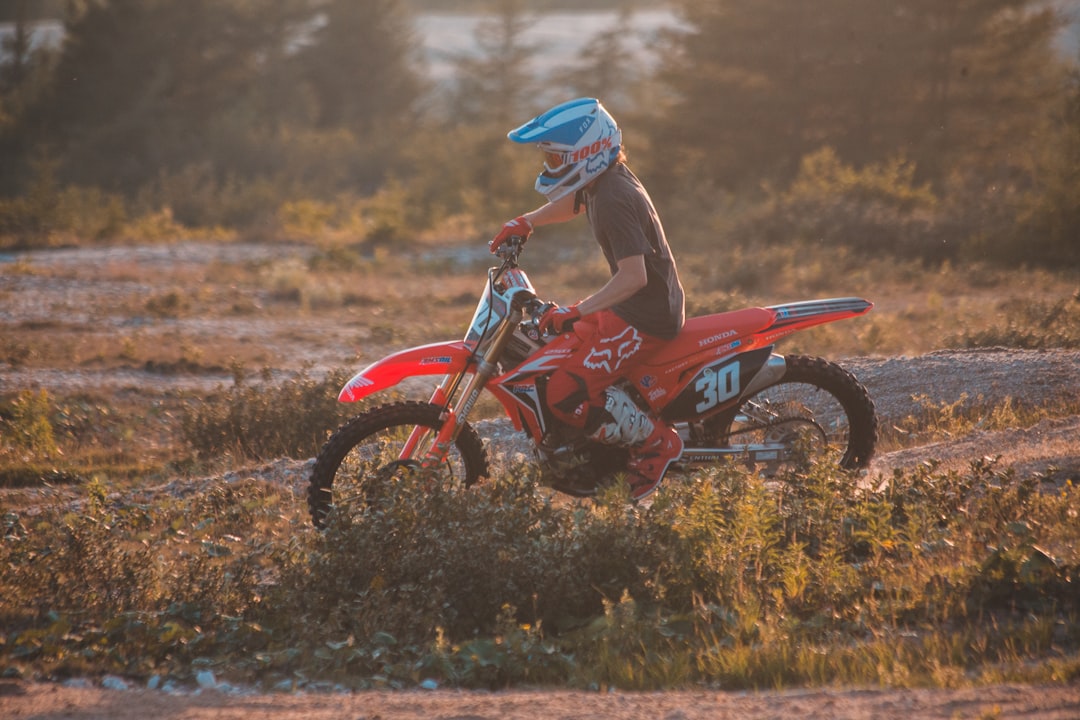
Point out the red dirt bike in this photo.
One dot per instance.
(718, 382)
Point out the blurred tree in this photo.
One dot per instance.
(607, 68)
(177, 100)
(494, 84)
(142, 86)
(360, 64)
(24, 75)
(756, 86)
(1049, 229)
(468, 164)
(17, 47)
(986, 80)
(14, 10)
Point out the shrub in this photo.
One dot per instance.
(811, 579)
(156, 226)
(460, 557)
(264, 420)
(129, 588)
(721, 579)
(876, 209)
(48, 214)
(27, 428)
(1029, 324)
(345, 219)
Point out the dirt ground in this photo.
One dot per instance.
(52, 305)
(46, 702)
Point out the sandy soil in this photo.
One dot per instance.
(43, 702)
(64, 282)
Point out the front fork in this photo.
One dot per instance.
(454, 418)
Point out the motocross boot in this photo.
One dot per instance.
(650, 460)
(653, 444)
(619, 422)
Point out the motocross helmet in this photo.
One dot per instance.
(579, 140)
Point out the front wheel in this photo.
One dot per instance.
(364, 457)
(816, 406)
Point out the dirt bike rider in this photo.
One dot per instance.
(635, 313)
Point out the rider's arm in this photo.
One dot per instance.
(629, 277)
(559, 211)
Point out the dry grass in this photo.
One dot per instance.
(951, 576)
(329, 306)
(142, 313)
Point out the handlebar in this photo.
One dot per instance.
(510, 250)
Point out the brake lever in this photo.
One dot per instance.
(511, 249)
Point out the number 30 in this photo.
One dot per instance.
(717, 386)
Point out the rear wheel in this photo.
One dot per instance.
(362, 459)
(816, 407)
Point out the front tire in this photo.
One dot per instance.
(362, 457)
(816, 405)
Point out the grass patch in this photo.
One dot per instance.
(941, 421)
(941, 579)
(1029, 324)
(266, 420)
(47, 440)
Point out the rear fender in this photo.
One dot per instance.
(793, 317)
(437, 359)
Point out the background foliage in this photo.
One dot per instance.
(224, 110)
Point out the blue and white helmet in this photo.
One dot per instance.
(579, 139)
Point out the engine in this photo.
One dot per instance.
(582, 467)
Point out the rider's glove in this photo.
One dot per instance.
(559, 318)
(518, 227)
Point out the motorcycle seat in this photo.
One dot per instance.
(700, 333)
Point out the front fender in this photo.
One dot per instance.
(436, 359)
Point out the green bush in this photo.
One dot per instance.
(267, 420)
(27, 427)
(1033, 325)
(876, 209)
(936, 578)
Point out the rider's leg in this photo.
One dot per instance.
(581, 394)
(650, 459)
(609, 348)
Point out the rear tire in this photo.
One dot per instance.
(361, 457)
(815, 399)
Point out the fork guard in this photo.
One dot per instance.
(446, 358)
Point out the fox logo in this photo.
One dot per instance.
(610, 353)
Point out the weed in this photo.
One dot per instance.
(266, 420)
(27, 428)
(1030, 324)
(939, 579)
(943, 420)
(171, 304)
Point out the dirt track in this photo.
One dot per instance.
(43, 702)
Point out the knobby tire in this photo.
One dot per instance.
(353, 434)
(845, 389)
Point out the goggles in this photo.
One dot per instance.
(555, 162)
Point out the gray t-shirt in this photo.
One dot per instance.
(625, 224)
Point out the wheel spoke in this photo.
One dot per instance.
(816, 409)
(367, 457)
